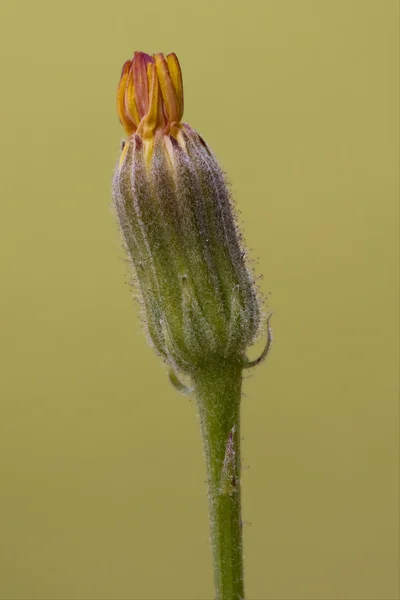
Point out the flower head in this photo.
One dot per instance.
(150, 97)
(175, 212)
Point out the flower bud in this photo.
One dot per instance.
(175, 213)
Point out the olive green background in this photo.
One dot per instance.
(102, 490)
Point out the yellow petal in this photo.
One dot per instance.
(176, 77)
(149, 121)
(123, 117)
(130, 102)
(167, 89)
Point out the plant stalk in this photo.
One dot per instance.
(218, 391)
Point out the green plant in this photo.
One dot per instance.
(201, 306)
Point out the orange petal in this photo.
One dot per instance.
(129, 127)
(130, 102)
(167, 89)
(149, 122)
(140, 63)
(176, 77)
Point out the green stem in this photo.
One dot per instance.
(218, 392)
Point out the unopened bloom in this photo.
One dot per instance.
(150, 97)
(175, 212)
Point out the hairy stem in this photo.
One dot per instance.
(218, 392)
